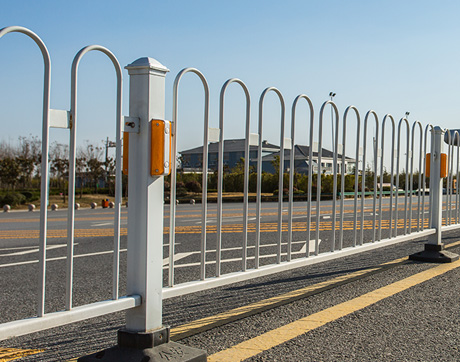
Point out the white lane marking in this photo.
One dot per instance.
(177, 257)
(300, 252)
(60, 258)
(249, 247)
(207, 221)
(18, 248)
(49, 247)
(103, 224)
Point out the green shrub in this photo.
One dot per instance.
(27, 194)
(13, 199)
(193, 186)
(181, 191)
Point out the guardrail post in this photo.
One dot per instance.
(145, 338)
(434, 250)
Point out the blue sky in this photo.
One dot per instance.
(390, 56)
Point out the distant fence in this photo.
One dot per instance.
(323, 234)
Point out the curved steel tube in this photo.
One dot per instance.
(291, 173)
(457, 137)
(404, 119)
(412, 175)
(387, 116)
(318, 182)
(45, 158)
(72, 164)
(358, 119)
(363, 181)
(221, 170)
(450, 159)
(172, 218)
(259, 175)
(424, 176)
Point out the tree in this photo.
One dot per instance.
(95, 171)
(93, 163)
(9, 171)
(59, 164)
(28, 153)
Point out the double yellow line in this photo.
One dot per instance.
(211, 229)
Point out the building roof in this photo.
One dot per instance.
(235, 145)
(302, 153)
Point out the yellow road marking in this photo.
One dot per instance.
(292, 330)
(200, 325)
(211, 229)
(10, 354)
(326, 209)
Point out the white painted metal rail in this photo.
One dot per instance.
(383, 202)
(69, 120)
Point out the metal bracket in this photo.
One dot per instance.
(60, 119)
(287, 143)
(253, 139)
(213, 134)
(131, 124)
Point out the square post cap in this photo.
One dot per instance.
(146, 65)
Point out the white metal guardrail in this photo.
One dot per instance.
(145, 289)
(388, 226)
(69, 120)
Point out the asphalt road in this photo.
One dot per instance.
(93, 268)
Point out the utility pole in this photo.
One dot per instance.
(108, 144)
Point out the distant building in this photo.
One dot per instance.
(302, 163)
(192, 159)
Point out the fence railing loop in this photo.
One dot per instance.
(292, 169)
(45, 158)
(172, 218)
(72, 168)
(401, 122)
(220, 178)
(319, 173)
(259, 173)
(411, 191)
(425, 148)
(375, 148)
(382, 168)
(357, 154)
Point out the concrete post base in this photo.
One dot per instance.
(434, 253)
(146, 347)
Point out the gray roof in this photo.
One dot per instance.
(302, 153)
(236, 145)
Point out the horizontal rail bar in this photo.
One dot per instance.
(193, 287)
(450, 227)
(36, 324)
